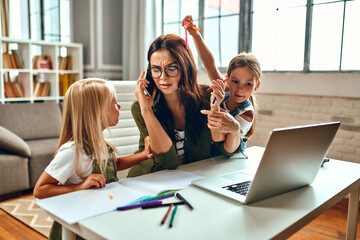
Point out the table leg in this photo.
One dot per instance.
(67, 234)
(353, 212)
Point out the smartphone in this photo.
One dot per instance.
(150, 88)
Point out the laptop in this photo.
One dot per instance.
(291, 160)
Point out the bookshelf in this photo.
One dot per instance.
(24, 74)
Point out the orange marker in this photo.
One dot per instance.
(195, 28)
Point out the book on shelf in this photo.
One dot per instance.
(65, 80)
(7, 60)
(12, 60)
(79, 205)
(65, 63)
(13, 90)
(18, 60)
(24, 80)
(42, 62)
(41, 89)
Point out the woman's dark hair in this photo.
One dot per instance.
(191, 95)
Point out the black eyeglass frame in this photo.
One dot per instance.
(163, 70)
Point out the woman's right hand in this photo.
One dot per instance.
(93, 181)
(144, 101)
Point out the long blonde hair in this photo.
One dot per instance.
(84, 115)
(247, 60)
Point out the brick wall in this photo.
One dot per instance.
(281, 110)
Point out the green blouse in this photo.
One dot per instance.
(205, 147)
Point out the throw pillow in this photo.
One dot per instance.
(11, 142)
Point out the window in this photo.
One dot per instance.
(50, 20)
(297, 35)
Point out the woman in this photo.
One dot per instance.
(171, 115)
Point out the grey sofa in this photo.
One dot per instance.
(29, 134)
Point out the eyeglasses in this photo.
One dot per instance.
(171, 71)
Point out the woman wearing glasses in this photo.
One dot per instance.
(170, 114)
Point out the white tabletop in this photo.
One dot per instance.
(215, 217)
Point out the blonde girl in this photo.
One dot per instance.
(84, 159)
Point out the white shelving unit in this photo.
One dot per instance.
(27, 49)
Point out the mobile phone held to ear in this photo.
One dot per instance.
(150, 88)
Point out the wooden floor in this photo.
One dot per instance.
(330, 225)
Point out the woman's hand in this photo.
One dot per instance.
(94, 181)
(147, 150)
(218, 87)
(144, 101)
(188, 24)
(222, 121)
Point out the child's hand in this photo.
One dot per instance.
(218, 87)
(188, 24)
(147, 151)
(94, 181)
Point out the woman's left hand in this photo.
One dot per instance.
(222, 121)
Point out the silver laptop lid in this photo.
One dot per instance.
(292, 159)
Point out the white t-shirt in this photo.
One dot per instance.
(62, 167)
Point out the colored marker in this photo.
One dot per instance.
(162, 205)
(173, 216)
(184, 200)
(164, 195)
(127, 207)
(166, 215)
(223, 80)
(195, 28)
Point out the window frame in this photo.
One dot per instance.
(245, 33)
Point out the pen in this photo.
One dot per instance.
(167, 194)
(195, 28)
(127, 207)
(166, 215)
(184, 200)
(223, 80)
(173, 216)
(162, 205)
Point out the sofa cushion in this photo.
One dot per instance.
(45, 120)
(14, 175)
(42, 152)
(11, 142)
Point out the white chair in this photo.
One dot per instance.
(125, 135)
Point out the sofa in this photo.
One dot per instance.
(29, 134)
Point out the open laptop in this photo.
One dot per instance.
(291, 160)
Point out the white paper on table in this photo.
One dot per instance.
(76, 206)
(162, 181)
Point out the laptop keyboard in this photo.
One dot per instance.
(240, 188)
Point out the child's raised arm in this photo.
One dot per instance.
(131, 160)
(205, 55)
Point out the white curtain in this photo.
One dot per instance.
(141, 25)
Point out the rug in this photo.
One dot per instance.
(25, 210)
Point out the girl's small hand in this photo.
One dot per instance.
(94, 181)
(218, 87)
(147, 151)
(144, 101)
(188, 24)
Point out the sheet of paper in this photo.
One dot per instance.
(79, 205)
(162, 181)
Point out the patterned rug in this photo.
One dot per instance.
(25, 210)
